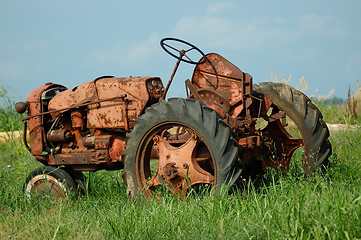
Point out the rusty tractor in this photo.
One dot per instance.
(227, 129)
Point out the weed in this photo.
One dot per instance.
(9, 119)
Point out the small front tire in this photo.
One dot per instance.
(49, 181)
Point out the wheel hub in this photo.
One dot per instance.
(177, 167)
(45, 185)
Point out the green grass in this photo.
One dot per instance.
(9, 119)
(337, 113)
(284, 206)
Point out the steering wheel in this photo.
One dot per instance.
(182, 53)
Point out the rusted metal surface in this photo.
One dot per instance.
(44, 159)
(194, 93)
(59, 135)
(97, 142)
(125, 115)
(96, 152)
(179, 159)
(73, 97)
(225, 88)
(250, 142)
(57, 112)
(59, 118)
(117, 146)
(230, 82)
(36, 129)
(109, 114)
(215, 100)
(20, 107)
(94, 158)
(77, 119)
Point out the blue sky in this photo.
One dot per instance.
(72, 42)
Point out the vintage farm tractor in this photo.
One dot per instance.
(227, 129)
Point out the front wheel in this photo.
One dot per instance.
(49, 181)
(178, 145)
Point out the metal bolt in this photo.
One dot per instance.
(72, 145)
(57, 149)
(156, 139)
(68, 135)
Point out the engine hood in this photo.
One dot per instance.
(101, 89)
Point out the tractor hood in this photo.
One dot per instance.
(133, 88)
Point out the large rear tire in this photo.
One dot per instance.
(308, 120)
(181, 126)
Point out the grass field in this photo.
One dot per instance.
(281, 207)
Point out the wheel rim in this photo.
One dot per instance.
(282, 141)
(174, 156)
(307, 119)
(45, 185)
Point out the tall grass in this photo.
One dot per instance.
(347, 112)
(282, 206)
(9, 119)
(337, 113)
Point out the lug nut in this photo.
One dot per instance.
(68, 135)
(72, 145)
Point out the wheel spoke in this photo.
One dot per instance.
(179, 159)
(188, 57)
(190, 49)
(282, 145)
(178, 168)
(171, 47)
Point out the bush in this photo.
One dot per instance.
(10, 120)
